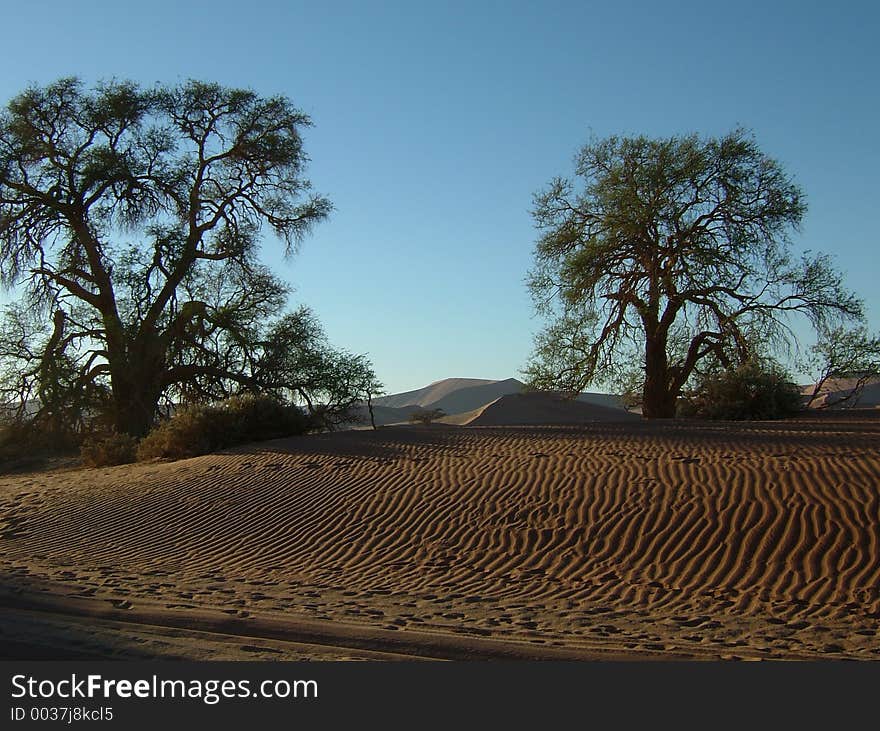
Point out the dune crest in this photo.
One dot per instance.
(543, 408)
(463, 400)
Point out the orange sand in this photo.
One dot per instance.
(613, 539)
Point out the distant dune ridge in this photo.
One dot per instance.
(427, 396)
(522, 409)
(477, 401)
(838, 388)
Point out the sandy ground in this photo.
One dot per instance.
(630, 539)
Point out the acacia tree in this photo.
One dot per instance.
(130, 221)
(668, 252)
(299, 362)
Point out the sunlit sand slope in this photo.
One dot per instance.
(753, 540)
(543, 408)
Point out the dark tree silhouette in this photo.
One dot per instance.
(668, 252)
(130, 221)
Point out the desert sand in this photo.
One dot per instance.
(608, 539)
(463, 401)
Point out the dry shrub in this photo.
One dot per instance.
(103, 450)
(200, 429)
(26, 445)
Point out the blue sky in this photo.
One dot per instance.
(436, 122)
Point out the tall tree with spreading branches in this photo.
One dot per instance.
(130, 223)
(666, 253)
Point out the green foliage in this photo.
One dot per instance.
(671, 253)
(40, 381)
(426, 416)
(103, 450)
(298, 362)
(751, 391)
(200, 429)
(131, 220)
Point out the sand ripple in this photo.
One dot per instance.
(752, 540)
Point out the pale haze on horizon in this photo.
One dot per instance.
(435, 123)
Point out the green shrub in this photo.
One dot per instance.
(199, 429)
(752, 391)
(256, 418)
(103, 450)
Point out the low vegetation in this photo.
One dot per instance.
(26, 446)
(752, 391)
(426, 416)
(199, 429)
(104, 450)
(192, 430)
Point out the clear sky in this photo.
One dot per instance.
(435, 122)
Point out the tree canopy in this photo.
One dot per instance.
(131, 221)
(671, 253)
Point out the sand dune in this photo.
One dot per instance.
(543, 408)
(469, 398)
(610, 400)
(616, 538)
(837, 388)
(384, 415)
(430, 394)
(464, 399)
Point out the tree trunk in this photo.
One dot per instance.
(658, 399)
(135, 391)
(370, 407)
(134, 406)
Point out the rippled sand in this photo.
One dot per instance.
(627, 539)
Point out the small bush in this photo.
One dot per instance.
(24, 446)
(16, 433)
(751, 391)
(36, 435)
(426, 416)
(256, 418)
(199, 429)
(191, 431)
(104, 450)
